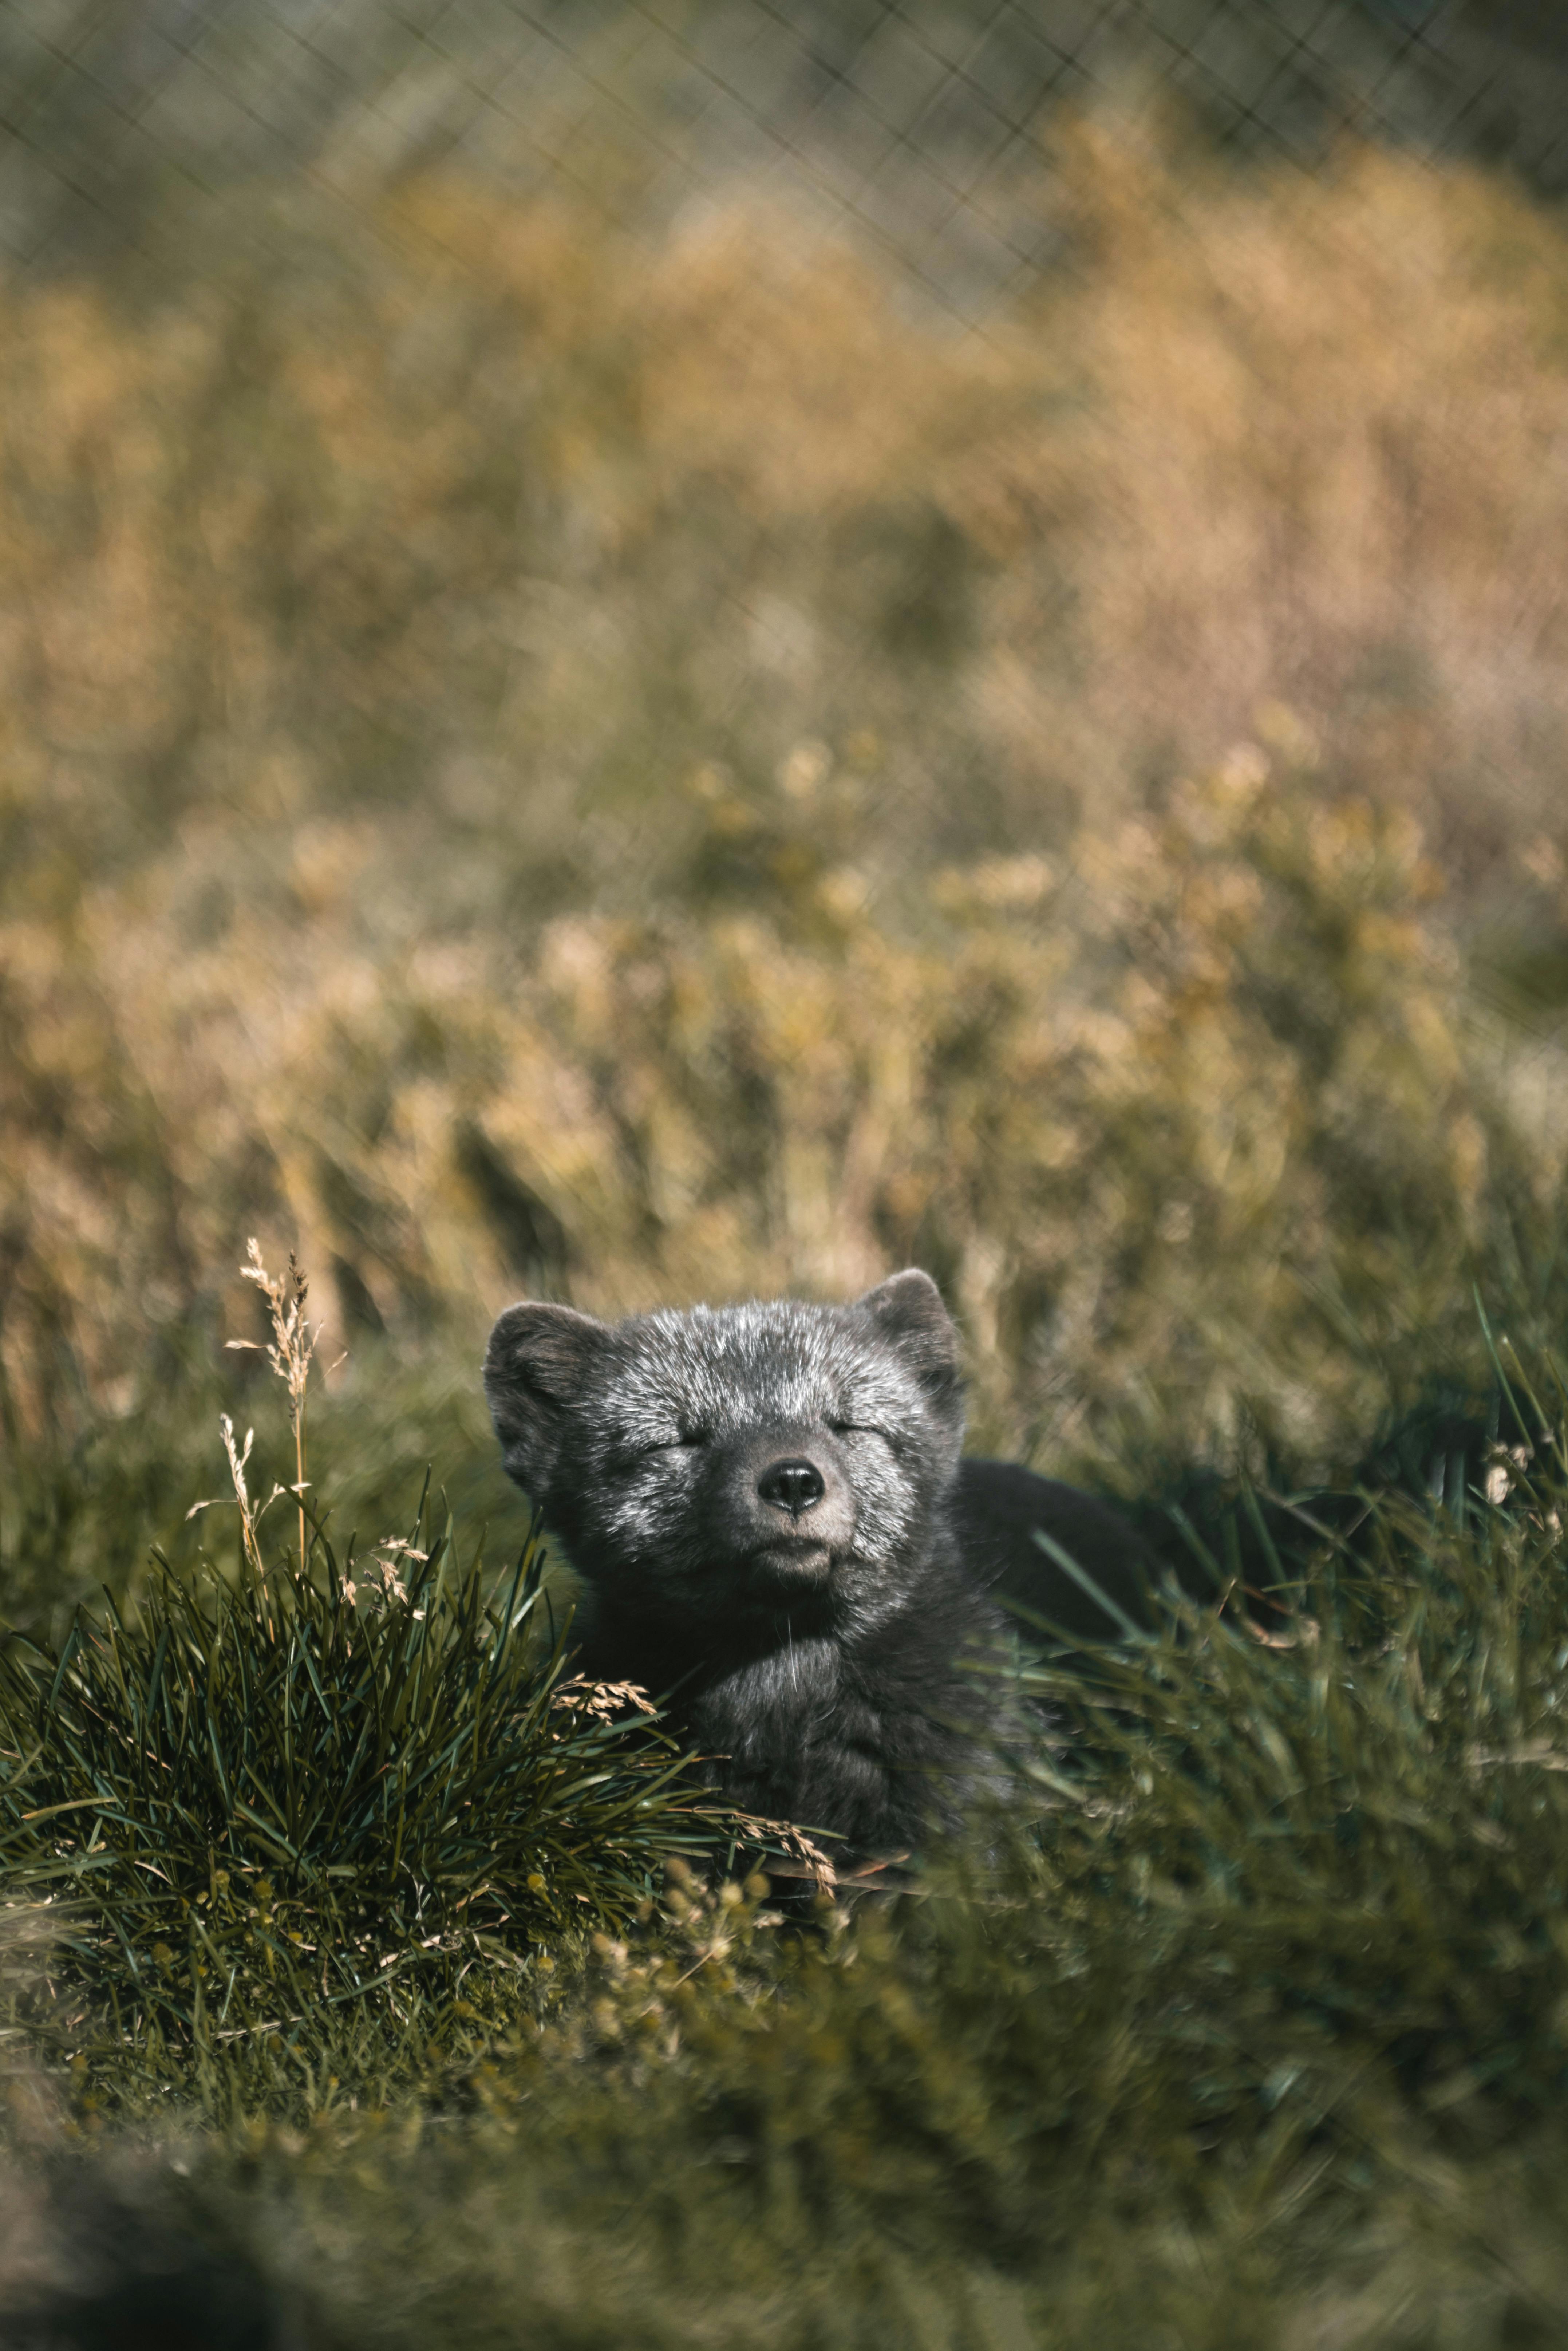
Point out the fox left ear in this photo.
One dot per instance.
(907, 1309)
(538, 1360)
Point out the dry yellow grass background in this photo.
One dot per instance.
(532, 758)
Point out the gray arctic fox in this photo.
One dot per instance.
(767, 1505)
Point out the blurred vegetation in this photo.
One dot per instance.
(635, 767)
(533, 762)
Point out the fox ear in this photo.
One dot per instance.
(907, 1309)
(536, 1366)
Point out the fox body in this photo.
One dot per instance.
(767, 1506)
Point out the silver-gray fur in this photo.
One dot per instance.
(767, 1506)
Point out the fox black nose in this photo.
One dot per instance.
(792, 1486)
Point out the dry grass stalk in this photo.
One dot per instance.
(290, 1353)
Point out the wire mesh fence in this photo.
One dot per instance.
(906, 118)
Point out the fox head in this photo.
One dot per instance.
(727, 1469)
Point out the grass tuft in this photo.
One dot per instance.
(298, 1824)
(302, 1823)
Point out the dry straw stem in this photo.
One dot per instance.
(250, 1514)
(290, 1353)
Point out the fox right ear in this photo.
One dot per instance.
(907, 1309)
(535, 1368)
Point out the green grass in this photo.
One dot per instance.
(309, 1830)
(1251, 2024)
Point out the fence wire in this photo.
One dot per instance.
(122, 119)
